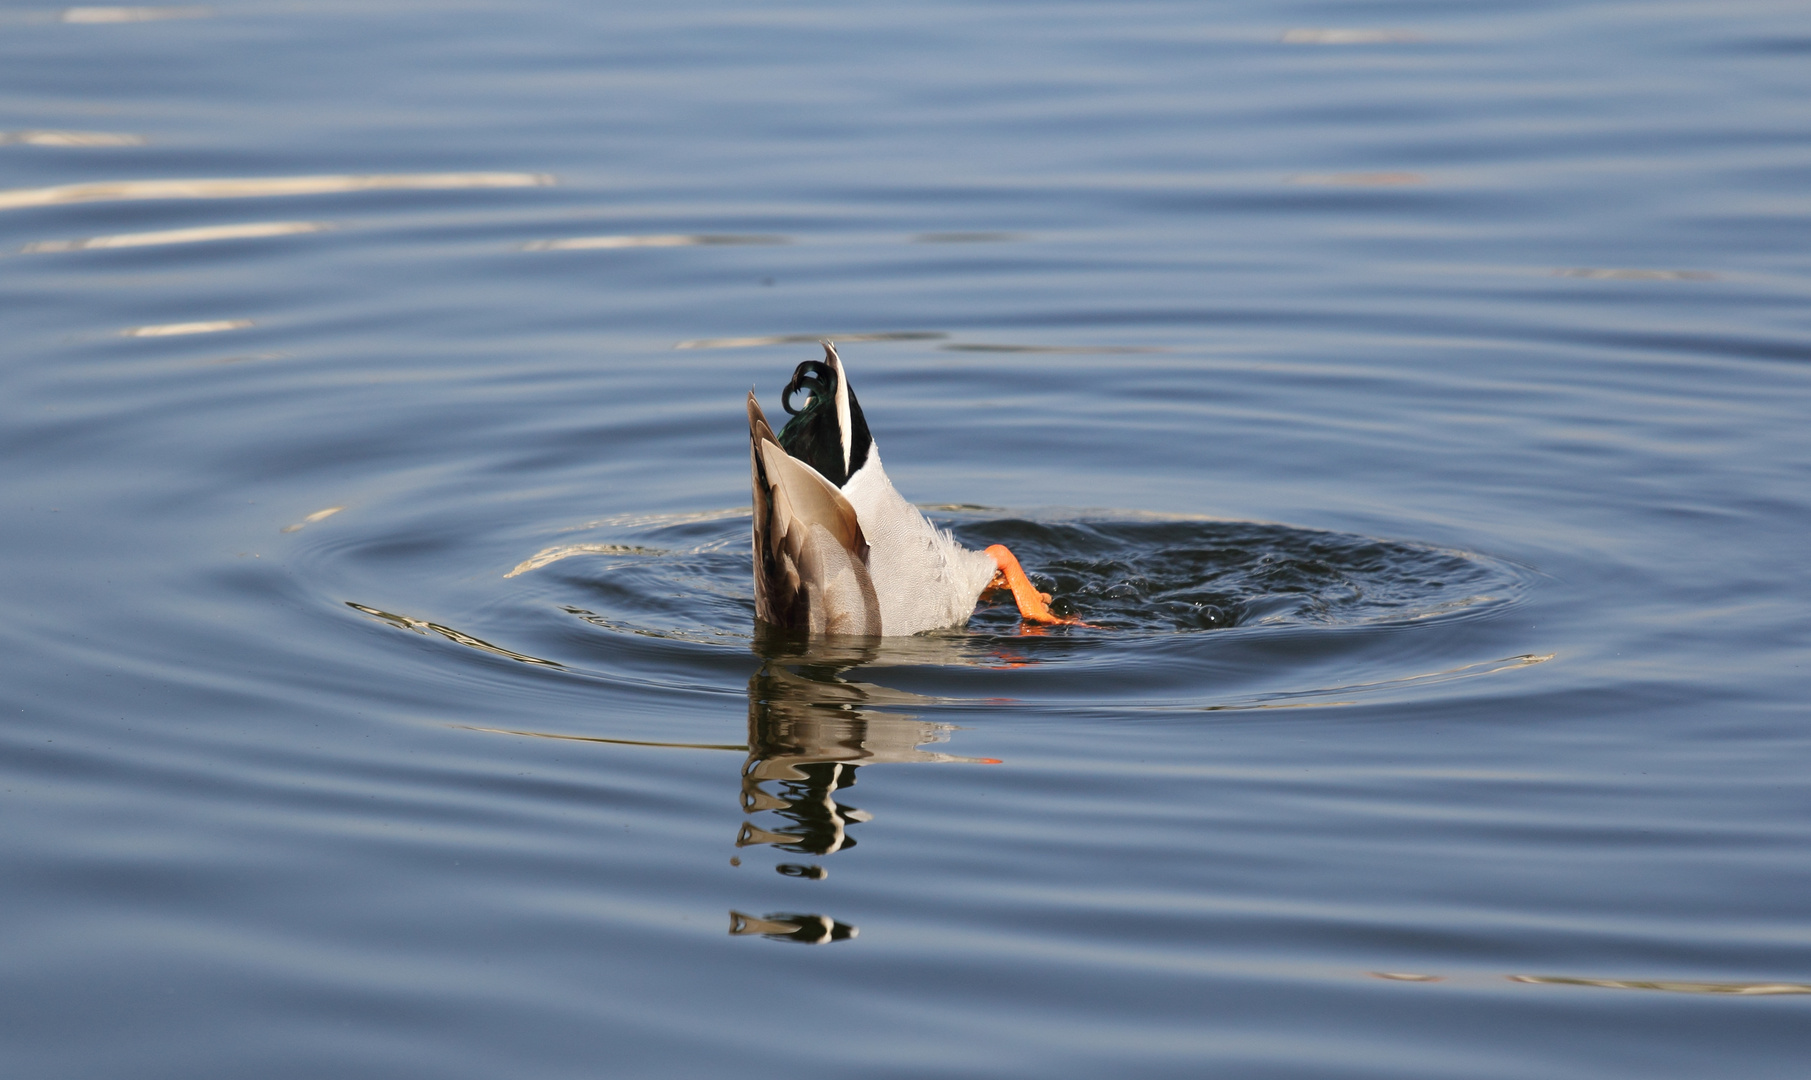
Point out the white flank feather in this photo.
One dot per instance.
(922, 577)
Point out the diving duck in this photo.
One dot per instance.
(837, 550)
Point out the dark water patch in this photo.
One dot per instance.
(688, 577)
(1176, 576)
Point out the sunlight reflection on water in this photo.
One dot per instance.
(385, 694)
(260, 187)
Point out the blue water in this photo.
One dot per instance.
(1412, 396)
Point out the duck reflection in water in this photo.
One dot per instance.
(799, 929)
(809, 731)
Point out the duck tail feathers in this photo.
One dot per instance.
(810, 555)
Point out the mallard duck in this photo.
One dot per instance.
(837, 550)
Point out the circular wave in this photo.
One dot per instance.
(689, 576)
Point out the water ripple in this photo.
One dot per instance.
(669, 240)
(261, 187)
(69, 138)
(199, 235)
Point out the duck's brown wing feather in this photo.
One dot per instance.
(811, 559)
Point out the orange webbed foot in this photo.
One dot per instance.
(1033, 605)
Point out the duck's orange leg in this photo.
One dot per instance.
(1033, 604)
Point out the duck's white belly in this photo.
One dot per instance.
(922, 577)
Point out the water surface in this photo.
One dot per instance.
(1411, 398)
